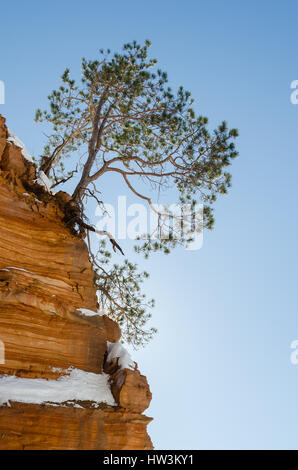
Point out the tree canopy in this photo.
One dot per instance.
(123, 118)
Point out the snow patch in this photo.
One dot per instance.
(118, 351)
(18, 269)
(91, 313)
(44, 181)
(42, 178)
(12, 138)
(78, 385)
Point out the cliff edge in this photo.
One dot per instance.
(63, 384)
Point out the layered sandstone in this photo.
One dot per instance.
(45, 279)
(34, 427)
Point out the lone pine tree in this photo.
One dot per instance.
(123, 118)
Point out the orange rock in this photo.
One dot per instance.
(45, 278)
(32, 427)
(131, 390)
(36, 341)
(12, 159)
(3, 135)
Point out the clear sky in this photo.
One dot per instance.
(219, 368)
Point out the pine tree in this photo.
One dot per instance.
(123, 118)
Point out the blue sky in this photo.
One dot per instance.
(219, 368)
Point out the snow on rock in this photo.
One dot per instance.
(18, 143)
(44, 181)
(18, 269)
(91, 313)
(78, 385)
(117, 351)
(42, 178)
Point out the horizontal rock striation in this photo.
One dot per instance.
(45, 280)
(31, 427)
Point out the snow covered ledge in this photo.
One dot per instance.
(119, 357)
(13, 139)
(71, 389)
(121, 384)
(40, 177)
(130, 389)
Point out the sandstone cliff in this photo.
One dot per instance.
(50, 333)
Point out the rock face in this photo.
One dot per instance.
(32, 427)
(45, 279)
